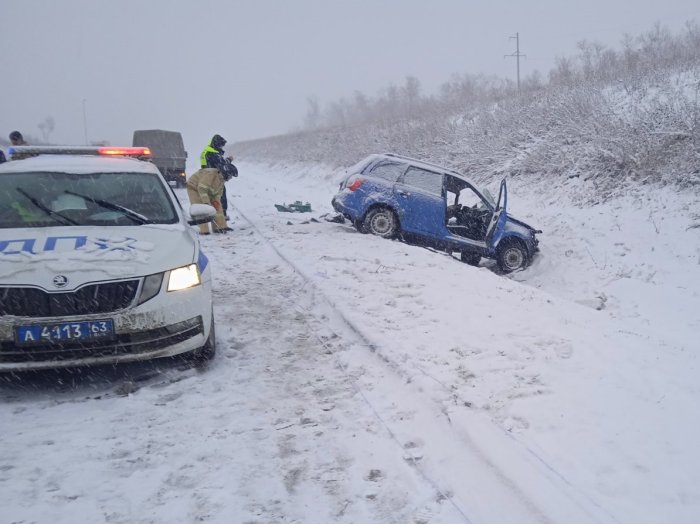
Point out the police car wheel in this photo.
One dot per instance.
(208, 350)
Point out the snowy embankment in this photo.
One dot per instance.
(366, 380)
(587, 359)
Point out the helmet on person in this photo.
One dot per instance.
(229, 171)
(16, 138)
(218, 142)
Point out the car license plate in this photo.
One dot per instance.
(64, 332)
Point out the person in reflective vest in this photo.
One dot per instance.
(213, 157)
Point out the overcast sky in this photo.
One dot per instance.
(244, 69)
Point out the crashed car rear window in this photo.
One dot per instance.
(388, 171)
(100, 199)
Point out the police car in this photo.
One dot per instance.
(98, 264)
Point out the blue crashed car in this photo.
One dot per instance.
(391, 195)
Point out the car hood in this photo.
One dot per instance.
(515, 222)
(48, 257)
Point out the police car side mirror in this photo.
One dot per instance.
(201, 214)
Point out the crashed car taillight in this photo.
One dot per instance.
(354, 183)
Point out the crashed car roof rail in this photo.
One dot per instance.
(21, 152)
(423, 162)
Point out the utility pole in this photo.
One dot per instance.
(85, 122)
(517, 55)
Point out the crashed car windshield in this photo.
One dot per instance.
(489, 198)
(36, 199)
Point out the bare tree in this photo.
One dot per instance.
(411, 93)
(388, 105)
(361, 112)
(46, 127)
(338, 112)
(564, 73)
(313, 113)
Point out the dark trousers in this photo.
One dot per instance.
(224, 201)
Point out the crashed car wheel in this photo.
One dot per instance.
(382, 222)
(511, 255)
(470, 258)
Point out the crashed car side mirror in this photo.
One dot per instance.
(201, 214)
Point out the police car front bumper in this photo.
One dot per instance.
(169, 325)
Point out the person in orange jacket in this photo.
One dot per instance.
(206, 186)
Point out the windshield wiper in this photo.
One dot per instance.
(54, 214)
(133, 215)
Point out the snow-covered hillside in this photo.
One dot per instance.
(366, 380)
(607, 116)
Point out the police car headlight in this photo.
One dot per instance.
(184, 278)
(151, 287)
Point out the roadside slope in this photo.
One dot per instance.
(603, 398)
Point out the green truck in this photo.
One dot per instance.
(168, 153)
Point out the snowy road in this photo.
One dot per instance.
(362, 380)
(280, 408)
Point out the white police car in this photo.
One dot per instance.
(97, 262)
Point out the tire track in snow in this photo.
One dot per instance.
(295, 364)
(585, 509)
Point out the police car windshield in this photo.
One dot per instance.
(98, 199)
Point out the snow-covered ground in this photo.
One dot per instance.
(365, 380)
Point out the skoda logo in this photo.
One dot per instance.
(60, 280)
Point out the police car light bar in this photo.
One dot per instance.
(125, 151)
(20, 152)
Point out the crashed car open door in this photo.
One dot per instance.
(497, 226)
